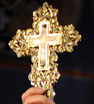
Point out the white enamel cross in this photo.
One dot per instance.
(43, 41)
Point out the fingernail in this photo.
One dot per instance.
(50, 102)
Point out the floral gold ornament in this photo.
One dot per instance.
(42, 42)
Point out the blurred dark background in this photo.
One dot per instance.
(76, 85)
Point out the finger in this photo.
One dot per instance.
(32, 91)
(37, 99)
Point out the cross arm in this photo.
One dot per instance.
(70, 38)
(19, 43)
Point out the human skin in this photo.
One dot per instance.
(35, 96)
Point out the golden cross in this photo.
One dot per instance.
(42, 41)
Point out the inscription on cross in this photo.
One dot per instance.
(43, 41)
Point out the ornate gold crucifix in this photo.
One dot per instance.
(42, 41)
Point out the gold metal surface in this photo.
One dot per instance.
(42, 41)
